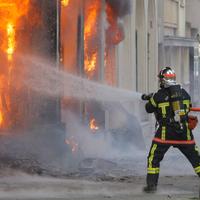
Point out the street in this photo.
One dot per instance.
(17, 185)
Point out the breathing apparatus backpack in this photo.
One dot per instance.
(177, 106)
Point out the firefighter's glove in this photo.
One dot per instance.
(192, 121)
(146, 97)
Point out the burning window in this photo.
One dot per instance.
(23, 30)
(11, 13)
(90, 33)
(91, 38)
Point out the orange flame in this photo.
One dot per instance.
(11, 40)
(1, 117)
(93, 125)
(91, 19)
(90, 63)
(90, 60)
(72, 143)
(64, 3)
(10, 13)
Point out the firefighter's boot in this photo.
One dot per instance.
(152, 180)
(150, 188)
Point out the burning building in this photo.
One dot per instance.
(90, 32)
(79, 36)
(87, 38)
(93, 45)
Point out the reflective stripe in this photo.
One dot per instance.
(153, 102)
(153, 170)
(197, 169)
(163, 108)
(187, 103)
(152, 155)
(173, 141)
(188, 132)
(163, 136)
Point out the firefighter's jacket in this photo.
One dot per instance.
(168, 131)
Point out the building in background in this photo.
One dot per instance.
(178, 44)
(193, 31)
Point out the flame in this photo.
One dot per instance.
(10, 13)
(64, 3)
(11, 40)
(91, 19)
(90, 31)
(1, 117)
(93, 125)
(90, 63)
(72, 143)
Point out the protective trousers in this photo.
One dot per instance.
(156, 154)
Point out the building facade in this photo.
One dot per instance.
(192, 31)
(132, 41)
(178, 42)
(119, 43)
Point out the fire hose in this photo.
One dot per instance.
(195, 109)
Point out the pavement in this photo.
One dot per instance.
(15, 185)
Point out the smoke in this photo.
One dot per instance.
(120, 7)
(124, 139)
(102, 143)
(123, 143)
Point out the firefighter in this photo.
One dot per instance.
(170, 105)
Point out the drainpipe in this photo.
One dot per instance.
(80, 39)
(102, 55)
(58, 12)
(102, 41)
(58, 33)
(80, 53)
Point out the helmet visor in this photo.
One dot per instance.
(168, 81)
(170, 75)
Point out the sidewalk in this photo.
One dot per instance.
(22, 186)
